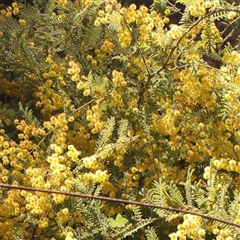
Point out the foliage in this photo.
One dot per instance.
(116, 101)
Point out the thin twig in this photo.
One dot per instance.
(118, 200)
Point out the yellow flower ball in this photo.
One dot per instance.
(86, 92)
(22, 22)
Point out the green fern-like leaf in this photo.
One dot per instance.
(122, 129)
(200, 196)
(234, 204)
(92, 212)
(122, 132)
(224, 109)
(119, 222)
(223, 198)
(28, 53)
(10, 25)
(92, 36)
(115, 22)
(176, 196)
(98, 190)
(19, 235)
(106, 133)
(151, 234)
(188, 188)
(7, 111)
(187, 2)
(158, 196)
(159, 5)
(28, 114)
(137, 212)
(132, 229)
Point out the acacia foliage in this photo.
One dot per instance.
(116, 101)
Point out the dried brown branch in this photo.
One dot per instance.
(118, 200)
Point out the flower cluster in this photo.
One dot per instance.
(175, 32)
(63, 3)
(211, 35)
(14, 9)
(98, 177)
(48, 98)
(73, 153)
(190, 228)
(200, 8)
(232, 57)
(118, 79)
(9, 88)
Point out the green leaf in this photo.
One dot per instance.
(151, 234)
(187, 2)
(119, 222)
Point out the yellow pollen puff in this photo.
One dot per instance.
(123, 10)
(167, 11)
(166, 20)
(90, 162)
(216, 231)
(173, 236)
(201, 232)
(71, 148)
(71, 119)
(132, 7)
(216, 163)
(71, 71)
(201, 126)
(216, 3)
(101, 176)
(8, 14)
(207, 169)
(15, 11)
(97, 22)
(80, 85)
(207, 4)
(9, 8)
(231, 15)
(14, 5)
(86, 92)
(211, 198)
(134, 169)
(101, 13)
(65, 211)
(108, 8)
(89, 57)
(22, 22)
(94, 63)
(72, 64)
(75, 77)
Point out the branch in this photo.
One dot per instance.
(118, 200)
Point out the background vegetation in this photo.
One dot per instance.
(132, 103)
